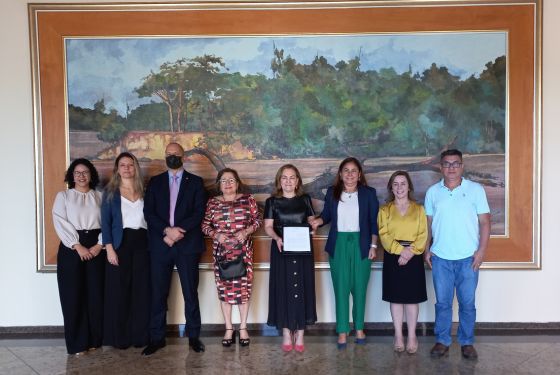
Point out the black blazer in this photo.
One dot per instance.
(189, 212)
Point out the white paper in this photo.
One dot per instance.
(296, 240)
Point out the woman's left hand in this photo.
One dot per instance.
(405, 256)
(95, 249)
(241, 235)
(372, 253)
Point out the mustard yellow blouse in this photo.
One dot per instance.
(413, 226)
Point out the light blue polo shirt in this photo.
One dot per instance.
(455, 218)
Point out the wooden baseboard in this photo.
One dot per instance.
(319, 329)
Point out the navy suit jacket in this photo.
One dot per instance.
(189, 212)
(368, 206)
(111, 220)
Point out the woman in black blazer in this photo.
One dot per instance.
(127, 284)
(351, 207)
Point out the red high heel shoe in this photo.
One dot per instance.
(299, 348)
(289, 347)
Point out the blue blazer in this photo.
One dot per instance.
(368, 206)
(189, 212)
(111, 220)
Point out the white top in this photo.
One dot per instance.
(133, 213)
(73, 211)
(348, 213)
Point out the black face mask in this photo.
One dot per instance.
(173, 161)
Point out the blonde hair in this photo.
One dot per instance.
(115, 182)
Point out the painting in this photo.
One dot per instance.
(394, 97)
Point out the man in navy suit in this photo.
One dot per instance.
(174, 206)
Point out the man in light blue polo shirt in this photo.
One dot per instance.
(459, 223)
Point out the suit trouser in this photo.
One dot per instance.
(80, 287)
(162, 262)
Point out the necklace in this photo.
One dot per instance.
(349, 195)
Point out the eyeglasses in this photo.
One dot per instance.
(81, 174)
(455, 164)
(228, 181)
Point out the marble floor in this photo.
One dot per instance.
(497, 355)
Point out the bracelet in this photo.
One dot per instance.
(373, 246)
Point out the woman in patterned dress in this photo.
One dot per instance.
(230, 220)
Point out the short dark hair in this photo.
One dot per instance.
(240, 185)
(93, 175)
(451, 152)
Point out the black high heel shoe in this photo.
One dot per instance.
(227, 342)
(244, 342)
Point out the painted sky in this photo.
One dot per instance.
(112, 68)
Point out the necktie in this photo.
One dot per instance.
(173, 192)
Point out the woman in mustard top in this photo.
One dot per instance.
(403, 233)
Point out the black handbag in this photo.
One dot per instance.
(232, 269)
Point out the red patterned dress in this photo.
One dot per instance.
(228, 218)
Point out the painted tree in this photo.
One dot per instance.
(177, 83)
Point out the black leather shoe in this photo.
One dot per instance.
(469, 352)
(439, 350)
(153, 347)
(196, 344)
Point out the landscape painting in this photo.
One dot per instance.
(254, 103)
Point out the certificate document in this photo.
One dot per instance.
(296, 239)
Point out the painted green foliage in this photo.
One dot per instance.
(316, 109)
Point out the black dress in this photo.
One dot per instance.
(291, 299)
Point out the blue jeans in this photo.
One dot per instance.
(451, 275)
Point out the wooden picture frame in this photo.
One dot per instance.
(50, 24)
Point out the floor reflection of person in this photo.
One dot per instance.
(80, 259)
(230, 220)
(127, 275)
(403, 233)
(291, 300)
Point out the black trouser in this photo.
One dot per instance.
(127, 293)
(162, 269)
(80, 286)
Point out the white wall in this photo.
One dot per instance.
(28, 298)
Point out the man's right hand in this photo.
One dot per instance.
(168, 241)
(428, 258)
(175, 233)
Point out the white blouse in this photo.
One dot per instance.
(73, 211)
(348, 213)
(133, 213)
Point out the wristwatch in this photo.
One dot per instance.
(373, 246)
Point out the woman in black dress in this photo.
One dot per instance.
(291, 301)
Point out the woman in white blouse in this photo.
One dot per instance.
(127, 283)
(80, 267)
(351, 207)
